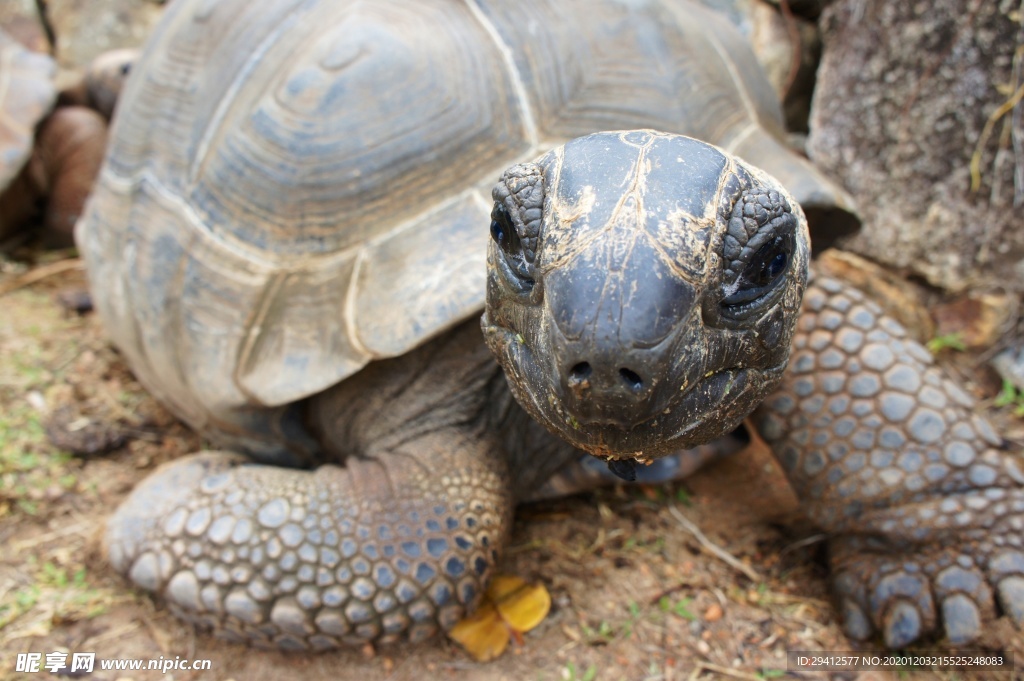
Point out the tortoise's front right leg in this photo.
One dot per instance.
(924, 506)
(399, 545)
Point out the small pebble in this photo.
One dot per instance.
(36, 399)
(77, 300)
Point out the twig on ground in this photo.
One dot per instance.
(50, 536)
(713, 548)
(37, 274)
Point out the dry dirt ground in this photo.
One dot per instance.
(636, 595)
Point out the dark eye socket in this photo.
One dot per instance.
(769, 262)
(503, 231)
(762, 272)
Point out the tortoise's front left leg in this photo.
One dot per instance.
(924, 506)
(398, 542)
(396, 546)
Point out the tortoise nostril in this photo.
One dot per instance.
(580, 372)
(632, 379)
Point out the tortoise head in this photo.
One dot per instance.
(642, 290)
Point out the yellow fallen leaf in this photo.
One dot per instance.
(502, 586)
(525, 607)
(483, 634)
(509, 607)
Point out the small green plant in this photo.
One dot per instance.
(66, 592)
(1011, 396)
(771, 674)
(23, 600)
(635, 611)
(603, 634)
(29, 467)
(570, 674)
(680, 608)
(947, 341)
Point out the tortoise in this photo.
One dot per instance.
(295, 233)
(51, 155)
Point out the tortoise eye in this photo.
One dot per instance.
(513, 258)
(767, 264)
(762, 272)
(503, 231)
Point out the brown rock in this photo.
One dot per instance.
(69, 150)
(713, 613)
(72, 432)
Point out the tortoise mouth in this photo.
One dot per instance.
(705, 410)
(693, 418)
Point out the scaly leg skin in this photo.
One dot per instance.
(924, 506)
(395, 546)
(396, 543)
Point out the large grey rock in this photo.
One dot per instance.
(904, 93)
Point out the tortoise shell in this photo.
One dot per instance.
(297, 188)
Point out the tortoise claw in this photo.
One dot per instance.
(1011, 598)
(856, 624)
(877, 595)
(966, 602)
(901, 602)
(962, 619)
(902, 624)
(906, 599)
(850, 594)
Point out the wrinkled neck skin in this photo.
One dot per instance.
(642, 291)
(449, 386)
